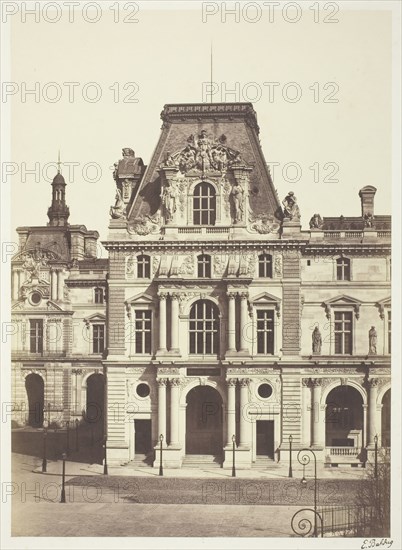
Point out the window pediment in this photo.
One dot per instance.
(141, 299)
(95, 318)
(382, 305)
(342, 301)
(266, 299)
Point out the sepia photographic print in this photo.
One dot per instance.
(200, 201)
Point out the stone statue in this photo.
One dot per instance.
(169, 201)
(372, 341)
(118, 211)
(368, 219)
(237, 194)
(317, 341)
(290, 207)
(316, 222)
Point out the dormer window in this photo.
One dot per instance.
(98, 296)
(204, 204)
(265, 265)
(343, 269)
(143, 267)
(204, 266)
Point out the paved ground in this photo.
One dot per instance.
(108, 506)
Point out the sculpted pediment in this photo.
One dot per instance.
(204, 153)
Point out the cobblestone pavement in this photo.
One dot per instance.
(37, 511)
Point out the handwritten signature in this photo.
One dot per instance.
(376, 543)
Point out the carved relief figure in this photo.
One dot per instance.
(316, 222)
(372, 341)
(316, 341)
(118, 210)
(290, 207)
(169, 199)
(237, 194)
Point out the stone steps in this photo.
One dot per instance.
(199, 461)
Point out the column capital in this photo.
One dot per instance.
(244, 382)
(231, 295)
(316, 382)
(306, 382)
(162, 382)
(175, 295)
(231, 382)
(373, 382)
(162, 295)
(175, 382)
(243, 295)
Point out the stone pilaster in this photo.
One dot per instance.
(162, 322)
(245, 425)
(231, 322)
(162, 383)
(231, 410)
(174, 412)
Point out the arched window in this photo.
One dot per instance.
(343, 269)
(143, 267)
(265, 265)
(98, 295)
(204, 328)
(204, 265)
(204, 204)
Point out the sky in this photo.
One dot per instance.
(321, 90)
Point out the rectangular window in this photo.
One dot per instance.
(142, 331)
(265, 332)
(344, 333)
(98, 295)
(389, 330)
(98, 344)
(343, 269)
(36, 335)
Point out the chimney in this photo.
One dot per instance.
(367, 198)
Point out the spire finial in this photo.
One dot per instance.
(58, 163)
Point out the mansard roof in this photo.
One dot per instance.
(231, 127)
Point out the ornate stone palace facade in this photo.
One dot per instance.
(225, 320)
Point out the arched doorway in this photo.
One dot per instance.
(95, 401)
(386, 420)
(344, 418)
(204, 425)
(35, 389)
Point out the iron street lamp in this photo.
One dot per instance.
(77, 422)
(160, 462)
(290, 456)
(44, 459)
(63, 479)
(68, 437)
(234, 454)
(105, 472)
(376, 456)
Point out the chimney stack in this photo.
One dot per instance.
(367, 198)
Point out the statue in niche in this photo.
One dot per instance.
(316, 222)
(169, 201)
(316, 341)
(372, 341)
(237, 194)
(118, 211)
(290, 207)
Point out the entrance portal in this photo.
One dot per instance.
(35, 388)
(204, 435)
(265, 438)
(143, 437)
